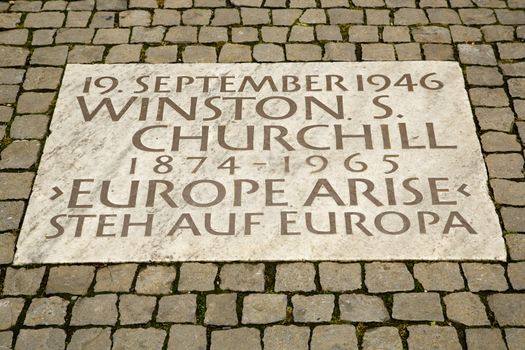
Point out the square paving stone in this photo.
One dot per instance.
(362, 308)
(138, 338)
(236, 339)
(98, 338)
(479, 339)
(45, 338)
(187, 337)
(433, 337)
(466, 308)
(178, 308)
(286, 338)
(334, 337)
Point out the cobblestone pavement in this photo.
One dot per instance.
(369, 306)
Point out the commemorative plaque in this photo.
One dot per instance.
(291, 161)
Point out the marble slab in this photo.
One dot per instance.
(288, 161)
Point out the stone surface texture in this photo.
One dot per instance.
(52, 307)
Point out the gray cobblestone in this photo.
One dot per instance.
(465, 34)
(466, 308)
(387, 277)
(10, 20)
(417, 307)
(22, 281)
(408, 51)
(497, 141)
(98, 310)
(285, 17)
(498, 33)
(199, 54)
(377, 17)
(334, 337)
(433, 337)
(396, 34)
(5, 113)
(295, 277)
(476, 54)
(495, 118)
(182, 34)
(339, 52)
(190, 337)
(115, 278)
(362, 308)
(382, 338)
(268, 53)
(431, 34)
(34, 102)
(11, 75)
(213, 34)
(236, 339)
(155, 280)
(147, 35)
(111, 36)
(85, 54)
(516, 273)
(479, 339)
(102, 20)
(513, 218)
(124, 53)
(21, 154)
(508, 192)
(161, 54)
(78, 18)
(10, 309)
(69, 279)
(45, 338)
(196, 276)
(315, 308)
(339, 277)
(264, 308)
(14, 37)
(242, 277)
(443, 16)
(511, 51)
(134, 18)
(286, 338)
(15, 185)
(509, 309)
(378, 52)
(438, 52)
(408, 16)
(44, 20)
(13, 56)
(46, 311)
(515, 338)
(488, 97)
(97, 338)
(138, 338)
(450, 278)
(505, 165)
(166, 17)
(8, 93)
(221, 309)
(485, 76)
(225, 17)
(74, 35)
(363, 34)
(7, 247)
(10, 214)
(136, 309)
(42, 78)
(178, 308)
(482, 277)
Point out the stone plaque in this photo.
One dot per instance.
(291, 161)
